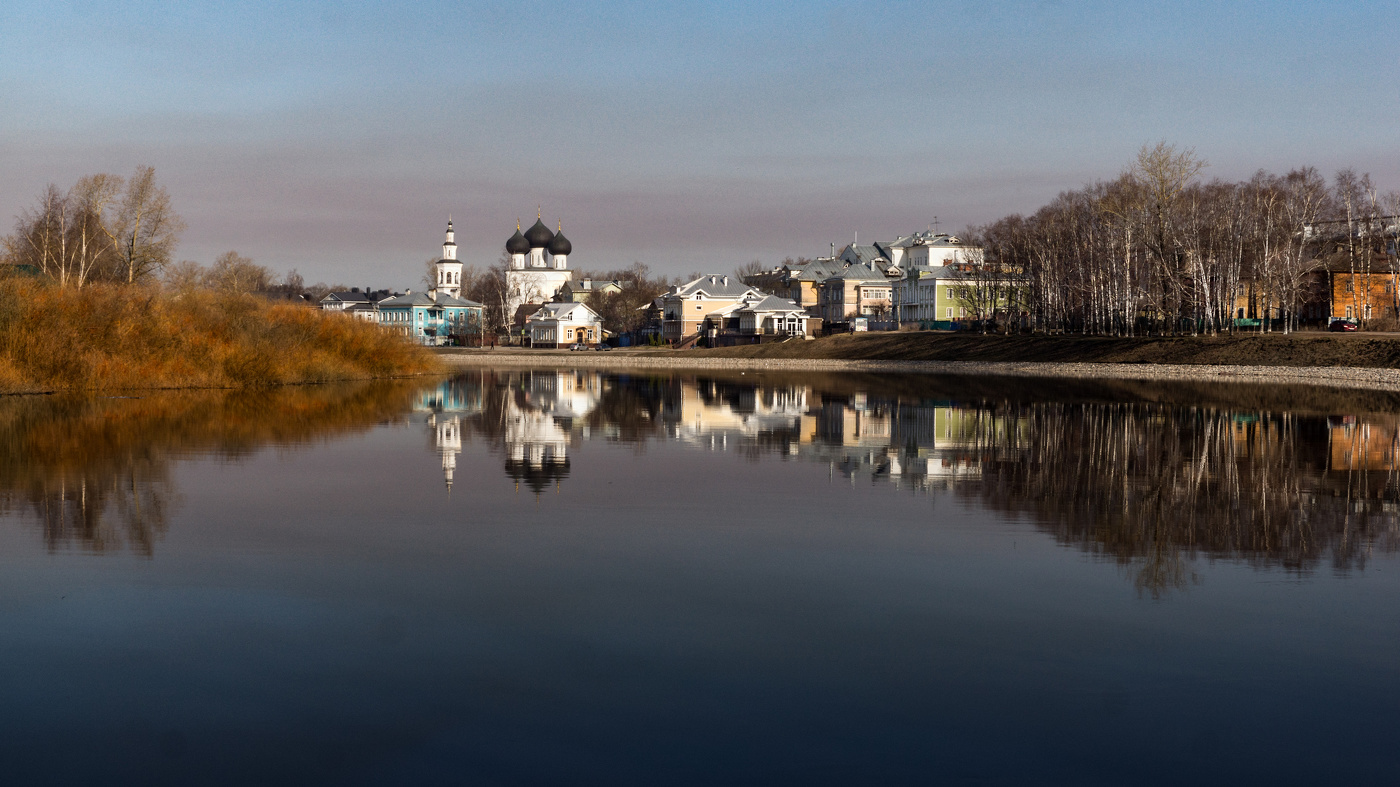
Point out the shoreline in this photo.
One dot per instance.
(1345, 377)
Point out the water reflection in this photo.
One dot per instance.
(1151, 485)
(95, 473)
(1152, 478)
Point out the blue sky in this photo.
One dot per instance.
(335, 137)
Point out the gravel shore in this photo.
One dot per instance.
(1331, 377)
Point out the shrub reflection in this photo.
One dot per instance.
(94, 473)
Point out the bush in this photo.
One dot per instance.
(110, 336)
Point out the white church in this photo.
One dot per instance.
(539, 266)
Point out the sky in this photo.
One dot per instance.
(335, 138)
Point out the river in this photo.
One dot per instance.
(582, 577)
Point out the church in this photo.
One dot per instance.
(539, 266)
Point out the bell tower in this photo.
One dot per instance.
(449, 268)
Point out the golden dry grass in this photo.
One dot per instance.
(111, 337)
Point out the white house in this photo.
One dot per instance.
(564, 324)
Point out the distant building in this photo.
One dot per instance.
(539, 265)
(556, 325)
(686, 306)
(434, 316)
(342, 301)
(857, 291)
(579, 291)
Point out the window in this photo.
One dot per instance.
(950, 312)
(1348, 312)
(950, 294)
(1349, 287)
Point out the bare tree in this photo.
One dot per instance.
(234, 273)
(184, 276)
(147, 227)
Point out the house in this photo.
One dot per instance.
(578, 291)
(556, 325)
(369, 312)
(931, 249)
(342, 301)
(686, 306)
(756, 318)
(804, 282)
(1365, 290)
(431, 317)
(434, 316)
(937, 297)
(857, 291)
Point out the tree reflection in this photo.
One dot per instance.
(94, 473)
(1153, 478)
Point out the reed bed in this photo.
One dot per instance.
(106, 337)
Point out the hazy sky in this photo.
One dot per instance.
(336, 137)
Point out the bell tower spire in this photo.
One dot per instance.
(449, 270)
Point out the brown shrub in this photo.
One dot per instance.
(107, 336)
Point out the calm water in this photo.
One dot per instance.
(566, 577)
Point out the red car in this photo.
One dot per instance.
(1343, 325)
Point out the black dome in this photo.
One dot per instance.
(538, 235)
(517, 244)
(560, 245)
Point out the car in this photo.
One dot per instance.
(602, 348)
(1346, 324)
(578, 346)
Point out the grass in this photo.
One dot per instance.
(105, 337)
(1310, 348)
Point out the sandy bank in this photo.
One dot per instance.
(1332, 377)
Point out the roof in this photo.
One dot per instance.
(772, 303)
(866, 254)
(714, 286)
(866, 272)
(565, 312)
(423, 299)
(816, 270)
(539, 235)
(347, 297)
(560, 245)
(590, 284)
(927, 238)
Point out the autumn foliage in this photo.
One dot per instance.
(106, 337)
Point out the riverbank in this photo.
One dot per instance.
(1358, 362)
(107, 337)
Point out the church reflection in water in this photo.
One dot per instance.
(1151, 485)
(1151, 477)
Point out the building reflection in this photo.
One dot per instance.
(1149, 485)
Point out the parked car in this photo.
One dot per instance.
(602, 348)
(578, 346)
(1344, 325)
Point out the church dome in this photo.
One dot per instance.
(560, 245)
(538, 235)
(517, 244)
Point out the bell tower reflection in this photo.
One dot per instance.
(447, 438)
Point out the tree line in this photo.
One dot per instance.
(110, 229)
(1157, 250)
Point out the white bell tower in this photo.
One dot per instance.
(449, 269)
